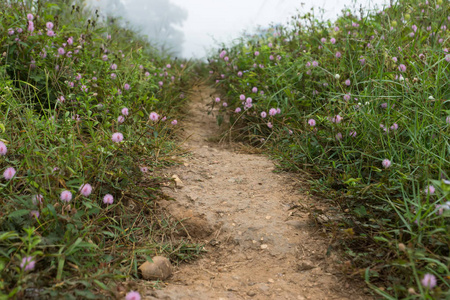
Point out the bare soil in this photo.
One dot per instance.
(259, 244)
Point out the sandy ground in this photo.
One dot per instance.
(260, 245)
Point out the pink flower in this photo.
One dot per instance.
(27, 263)
(105, 57)
(339, 136)
(49, 25)
(254, 89)
(217, 100)
(263, 114)
(30, 26)
(37, 199)
(237, 110)
(429, 281)
(347, 82)
(10, 31)
(61, 51)
(256, 53)
(30, 17)
(225, 104)
(447, 119)
(269, 125)
(154, 116)
(113, 76)
(86, 189)
(447, 58)
(272, 112)
(222, 54)
(117, 137)
(50, 33)
(394, 126)
(337, 119)
(34, 214)
(386, 163)
(113, 67)
(108, 199)
(3, 148)
(315, 63)
(383, 105)
(121, 119)
(147, 74)
(126, 86)
(133, 296)
(362, 61)
(66, 196)
(333, 40)
(352, 133)
(9, 173)
(338, 54)
(430, 190)
(312, 122)
(239, 74)
(70, 41)
(242, 97)
(402, 68)
(174, 122)
(347, 97)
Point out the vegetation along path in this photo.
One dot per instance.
(258, 246)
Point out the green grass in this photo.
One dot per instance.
(396, 115)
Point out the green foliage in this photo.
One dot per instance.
(375, 85)
(61, 100)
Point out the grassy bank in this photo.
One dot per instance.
(362, 105)
(88, 112)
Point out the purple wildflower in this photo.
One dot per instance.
(154, 116)
(3, 148)
(66, 196)
(386, 163)
(9, 173)
(108, 199)
(28, 263)
(133, 296)
(429, 281)
(117, 137)
(86, 189)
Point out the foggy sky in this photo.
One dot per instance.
(195, 26)
(160, 20)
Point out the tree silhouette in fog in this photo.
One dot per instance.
(160, 20)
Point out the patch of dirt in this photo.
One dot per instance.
(260, 245)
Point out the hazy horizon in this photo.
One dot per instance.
(191, 27)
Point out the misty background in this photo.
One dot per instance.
(191, 28)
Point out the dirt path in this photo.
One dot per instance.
(258, 246)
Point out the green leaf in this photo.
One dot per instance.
(18, 213)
